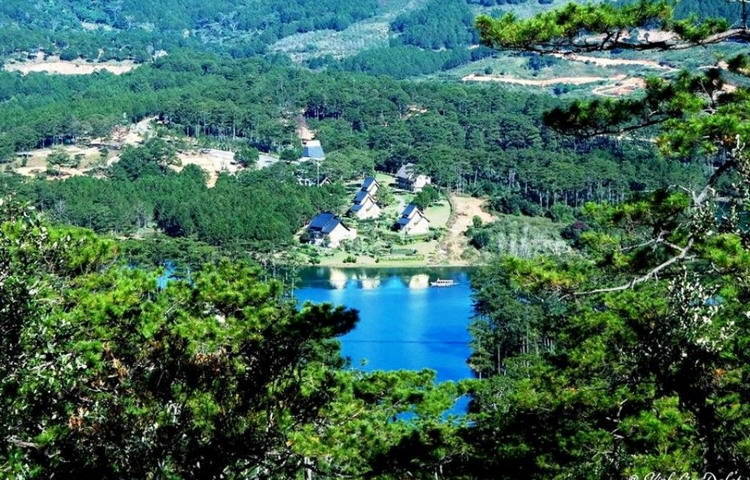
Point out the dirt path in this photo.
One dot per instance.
(303, 129)
(583, 80)
(454, 243)
(612, 62)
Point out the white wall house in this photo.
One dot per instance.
(408, 179)
(413, 221)
(327, 230)
(371, 186)
(364, 206)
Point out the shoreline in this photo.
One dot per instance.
(354, 266)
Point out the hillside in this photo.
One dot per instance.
(398, 38)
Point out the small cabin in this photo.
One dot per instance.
(408, 179)
(326, 229)
(364, 206)
(413, 221)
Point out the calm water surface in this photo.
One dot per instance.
(404, 323)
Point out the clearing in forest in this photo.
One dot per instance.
(212, 161)
(304, 132)
(55, 65)
(624, 87)
(613, 62)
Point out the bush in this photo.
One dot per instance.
(560, 212)
(61, 158)
(574, 231)
(247, 156)
(427, 197)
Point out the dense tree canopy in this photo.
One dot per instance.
(139, 28)
(476, 139)
(630, 358)
(104, 374)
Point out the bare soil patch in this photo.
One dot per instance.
(454, 244)
(612, 62)
(303, 129)
(54, 65)
(212, 161)
(621, 88)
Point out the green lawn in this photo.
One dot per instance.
(378, 245)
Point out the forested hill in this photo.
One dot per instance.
(477, 139)
(138, 27)
(400, 38)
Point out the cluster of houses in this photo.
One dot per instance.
(364, 206)
(327, 229)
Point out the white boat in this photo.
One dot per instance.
(443, 283)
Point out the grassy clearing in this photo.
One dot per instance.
(522, 236)
(377, 245)
(370, 33)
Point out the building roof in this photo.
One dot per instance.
(369, 181)
(313, 149)
(361, 196)
(406, 171)
(410, 213)
(403, 221)
(324, 223)
(409, 210)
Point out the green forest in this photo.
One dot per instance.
(482, 140)
(626, 356)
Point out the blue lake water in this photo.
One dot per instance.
(404, 323)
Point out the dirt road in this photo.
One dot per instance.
(612, 62)
(583, 80)
(455, 243)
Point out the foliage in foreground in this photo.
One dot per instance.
(105, 375)
(632, 358)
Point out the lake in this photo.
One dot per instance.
(404, 322)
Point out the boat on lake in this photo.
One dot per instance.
(443, 283)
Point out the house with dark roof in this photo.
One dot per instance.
(412, 221)
(326, 229)
(364, 206)
(313, 150)
(408, 179)
(370, 185)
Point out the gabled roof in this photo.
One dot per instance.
(361, 196)
(410, 213)
(406, 171)
(324, 223)
(369, 181)
(409, 210)
(313, 149)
